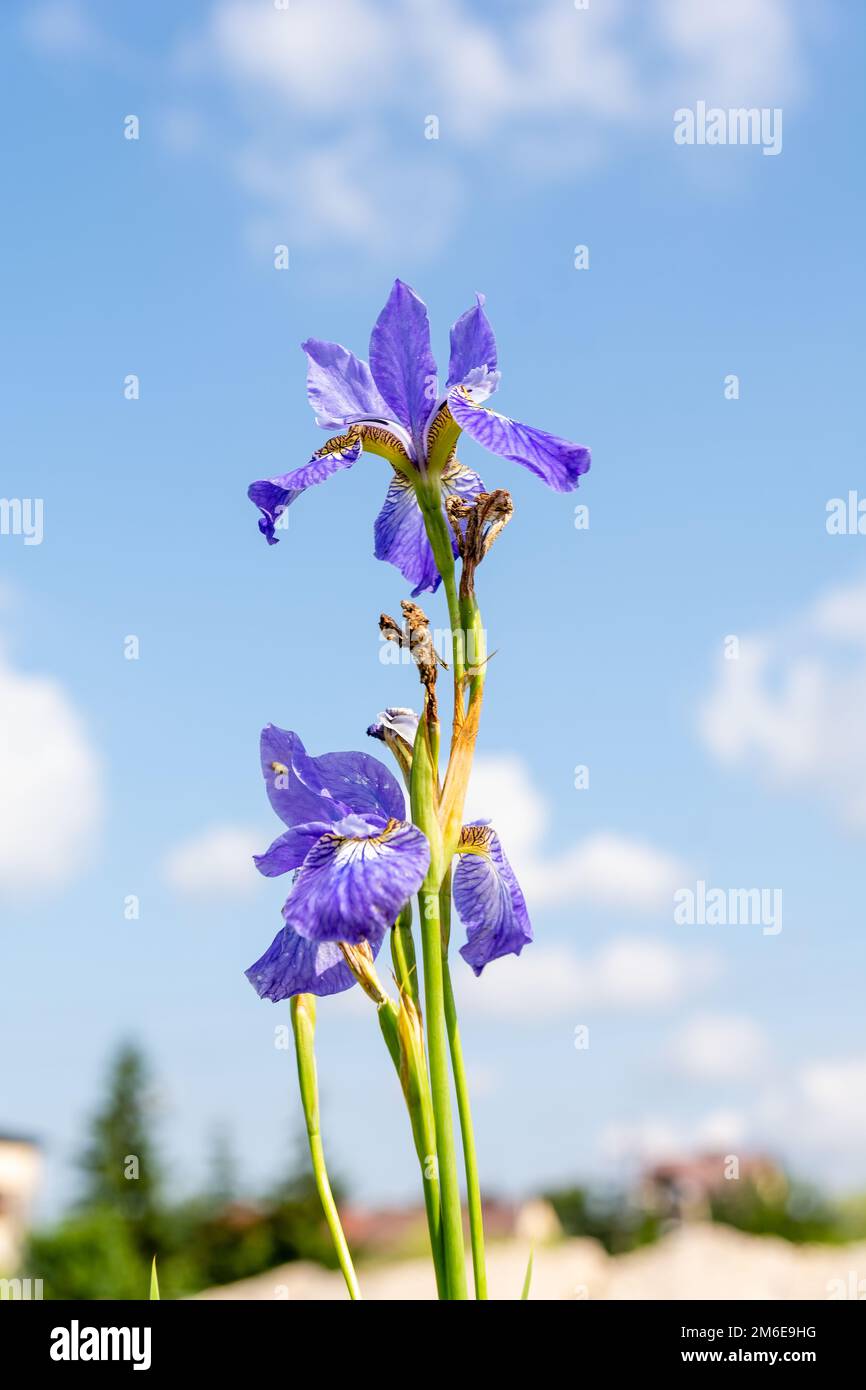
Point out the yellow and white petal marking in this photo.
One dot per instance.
(475, 839)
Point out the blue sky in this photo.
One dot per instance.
(155, 257)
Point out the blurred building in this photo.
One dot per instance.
(683, 1189)
(19, 1175)
(402, 1230)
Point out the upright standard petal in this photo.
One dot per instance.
(356, 879)
(557, 462)
(294, 965)
(488, 899)
(273, 496)
(364, 784)
(340, 387)
(302, 788)
(399, 532)
(295, 791)
(402, 360)
(473, 345)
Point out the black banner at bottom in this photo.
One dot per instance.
(224, 1337)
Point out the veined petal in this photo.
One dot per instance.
(290, 849)
(488, 899)
(294, 965)
(399, 537)
(302, 789)
(364, 784)
(356, 879)
(399, 532)
(273, 496)
(296, 793)
(340, 386)
(473, 345)
(402, 360)
(557, 462)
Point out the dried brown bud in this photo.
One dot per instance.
(476, 524)
(415, 634)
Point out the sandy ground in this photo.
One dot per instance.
(699, 1261)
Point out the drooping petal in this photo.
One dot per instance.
(340, 387)
(273, 496)
(399, 532)
(302, 788)
(556, 461)
(399, 537)
(290, 849)
(473, 345)
(488, 899)
(356, 879)
(402, 360)
(294, 965)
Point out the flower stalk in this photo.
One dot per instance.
(303, 1008)
(464, 1108)
(424, 795)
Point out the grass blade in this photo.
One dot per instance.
(528, 1280)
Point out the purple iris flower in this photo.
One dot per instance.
(393, 407)
(356, 861)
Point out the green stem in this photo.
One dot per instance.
(303, 1026)
(437, 1048)
(424, 814)
(401, 1029)
(464, 1109)
(470, 619)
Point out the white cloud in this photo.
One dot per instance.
(61, 26)
(51, 801)
(719, 1048)
(306, 52)
(606, 867)
(819, 1117)
(841, 614)
(64, 29)
(628, 973)
(792, 705)
(814, 1117)
(831, 1102)
(216, 862)
(654, 1139)
(334, 95)
(733, 52)
(338, 185)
